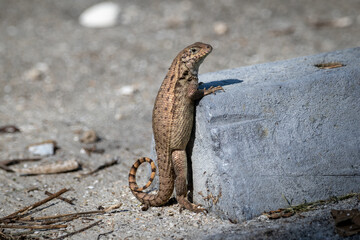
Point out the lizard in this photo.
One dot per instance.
(172, 122)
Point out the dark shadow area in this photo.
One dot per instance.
(189, 150)
(221, 83)
(190, 145)
(171, 201)
(317, 229)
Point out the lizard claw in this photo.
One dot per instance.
(145, 207)
(193, 207)
(181, 209)
(213, 90)
(200, 210)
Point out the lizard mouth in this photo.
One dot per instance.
(203, 55)
(208, 49)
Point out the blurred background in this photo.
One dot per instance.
(61, 62)
(73, 65)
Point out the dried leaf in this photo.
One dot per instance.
(57, 167)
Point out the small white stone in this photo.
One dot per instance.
(101, 15)
(126, 90)
(119, 116)
(262, 218)
(220, 28)
(43, 149)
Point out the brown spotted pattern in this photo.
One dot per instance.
(172, 122)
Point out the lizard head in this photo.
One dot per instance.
(192, 56)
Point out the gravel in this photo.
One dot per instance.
(58, 78)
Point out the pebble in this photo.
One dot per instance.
(83, 151)
(119, 116)
(126, 90)
(44, 148)
(101, 15)
(262, 218)
(89, 136)
(220, 28)
(37, 73)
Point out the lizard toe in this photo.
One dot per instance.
(145, 207)
(200, 210)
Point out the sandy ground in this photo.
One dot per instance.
(80, 87)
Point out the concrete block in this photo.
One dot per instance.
(282, 129)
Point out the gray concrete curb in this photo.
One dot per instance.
(286, 129)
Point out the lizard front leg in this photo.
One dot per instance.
(196, 94)
(180, 167)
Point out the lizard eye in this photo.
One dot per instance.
(193, 50)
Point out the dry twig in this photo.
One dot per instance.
(112, 207)
(5, 163)
(101, 167)
(78, 231)
(61, 198)
(62, 216)
(17, 220)
(37, 204)
(104, 234)
(57, 167)
(33, 226)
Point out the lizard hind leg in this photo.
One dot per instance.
(180, 167)
(132, 175)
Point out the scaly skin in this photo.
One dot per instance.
(173, 116)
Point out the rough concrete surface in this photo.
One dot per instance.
(287, 128)
(58, 78)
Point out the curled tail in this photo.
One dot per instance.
(166, 185)
(132, 175)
